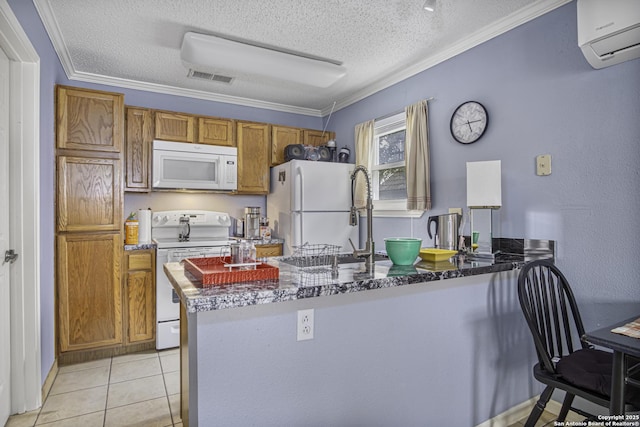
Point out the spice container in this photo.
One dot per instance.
(265, 231)
(131, 230)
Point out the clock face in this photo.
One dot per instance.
(469, 122)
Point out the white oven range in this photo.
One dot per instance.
(207, 234)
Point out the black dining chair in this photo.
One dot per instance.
(564, 361)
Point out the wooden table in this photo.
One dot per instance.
(622, 347)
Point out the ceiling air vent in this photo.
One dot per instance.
(194, 74)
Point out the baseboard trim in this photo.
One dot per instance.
(48, 382)
(81, 356)
(511, 415)
(522, 410)
(554, 407)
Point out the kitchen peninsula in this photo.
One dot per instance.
(439, 344)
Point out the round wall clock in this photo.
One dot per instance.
(469, 122)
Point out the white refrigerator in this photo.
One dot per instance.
(309, 202)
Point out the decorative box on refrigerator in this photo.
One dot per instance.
(309, 203)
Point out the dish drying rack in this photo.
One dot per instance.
(315, 263)
(312, 256)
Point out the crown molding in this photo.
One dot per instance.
(190, 93)
(502, 26)
(53, 30)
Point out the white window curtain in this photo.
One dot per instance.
(417, 157)
(363, 142)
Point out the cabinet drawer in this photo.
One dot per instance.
(140, 261)
(268, 250)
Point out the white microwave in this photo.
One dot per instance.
(182, 165)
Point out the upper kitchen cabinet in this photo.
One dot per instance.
(89, 120)
(281, 136)
(317, 137)
(174, 126)
(89, 194)
(254, 141)
(215, 131)
(138, 143)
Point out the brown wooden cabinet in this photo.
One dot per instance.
(89, 120)
(89, 298)
(174, 126)
(254, 142)
(215, 131)
(89, 194)
(138, 146)
(139, 295)
(281, 136)
(267, 250)
(317, 137)
(89, 220)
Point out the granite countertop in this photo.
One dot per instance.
(298, 283)
(139, 246)
(258, 242)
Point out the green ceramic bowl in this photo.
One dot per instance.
(402, 250)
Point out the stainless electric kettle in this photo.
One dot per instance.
(446, 232)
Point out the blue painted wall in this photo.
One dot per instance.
(543, 98)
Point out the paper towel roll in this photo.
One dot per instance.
(144, 226)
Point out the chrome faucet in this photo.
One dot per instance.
(367, 252)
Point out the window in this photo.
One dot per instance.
(388, 168)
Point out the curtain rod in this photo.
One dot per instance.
(386, 116)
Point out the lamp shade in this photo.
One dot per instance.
(223, 54)
(484, 186)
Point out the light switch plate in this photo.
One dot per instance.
(543, 165)
(456, 210)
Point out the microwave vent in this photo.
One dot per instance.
(195, 74)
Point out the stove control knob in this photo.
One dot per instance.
(160, 219)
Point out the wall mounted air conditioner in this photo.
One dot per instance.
(609, 31)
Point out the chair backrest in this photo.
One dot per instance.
(550, 310)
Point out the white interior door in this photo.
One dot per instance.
(5, 331)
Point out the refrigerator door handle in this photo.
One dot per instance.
(297, 228)
(299, 191)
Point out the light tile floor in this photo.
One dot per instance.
(140, 389)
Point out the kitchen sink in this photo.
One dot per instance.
(342, 259)
(350, 259)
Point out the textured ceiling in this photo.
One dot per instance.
(137, 43)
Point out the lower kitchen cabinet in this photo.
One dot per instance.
(267, 250)
(139, 295)
(89, 290)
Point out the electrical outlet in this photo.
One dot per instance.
(305, 324)
(456, 210)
